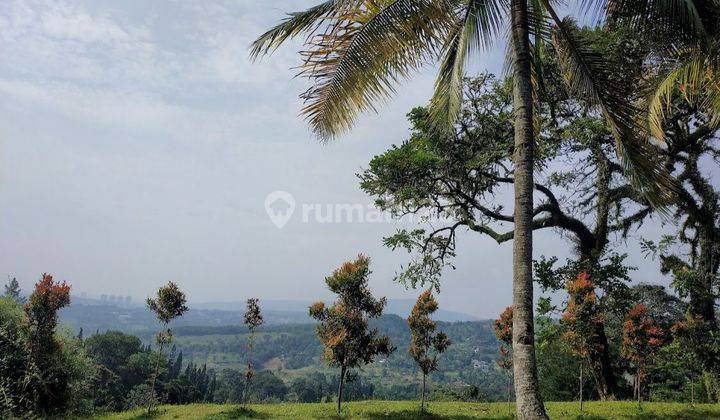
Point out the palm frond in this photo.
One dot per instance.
(475, 29)
(680, 17)
(697, 80)
(356, 61)
(298, 23)
(587, 74)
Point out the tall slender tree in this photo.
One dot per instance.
(252, 319)
(169, 304)
(356, 50)
(343, 329)
(503, 327)
(49, 384)
(426, 344)
(12, 290)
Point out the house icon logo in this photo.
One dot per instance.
(280, 206)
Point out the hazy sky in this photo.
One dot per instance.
(138, 145)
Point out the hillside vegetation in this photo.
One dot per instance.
(436, 410)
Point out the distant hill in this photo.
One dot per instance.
(399, 307)
(101, 315)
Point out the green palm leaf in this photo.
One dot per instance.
(666, 16)
(298, 23)
(357, 61)
(587, 76)
(697, 79)
(475, 29)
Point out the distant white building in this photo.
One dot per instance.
(480, 364)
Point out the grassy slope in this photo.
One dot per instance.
(437, 410)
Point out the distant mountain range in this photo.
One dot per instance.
(401, 307)
(101, 315)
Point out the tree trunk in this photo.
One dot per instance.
(248, 373)
(692, 392)
(702, 296)
(341, 385)
(527, 395)
(509, 393)
(151, 391)
(601, 365)
(422, 401)
(581, 386)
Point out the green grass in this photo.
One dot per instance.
(437, 410)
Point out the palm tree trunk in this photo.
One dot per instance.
(527, 395)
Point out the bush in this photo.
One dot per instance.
(141, 396)
(25, 385)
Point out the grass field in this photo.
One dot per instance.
(437, 410)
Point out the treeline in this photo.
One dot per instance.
(48, 371)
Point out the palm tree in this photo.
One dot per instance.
(357, 50)
(687, 35)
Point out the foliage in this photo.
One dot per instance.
(12, 290)
(426, 344)
(310, 388)
(581, 318)
(558, 365)
(232, 387)
(50, 380)
(642, 338)
(503, 332)
(252, 319)
(169, 304)
(140, 396)
(355, 52)
(32, 381)
(343, 329)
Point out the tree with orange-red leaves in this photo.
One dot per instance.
(504, 333)
(51, 385)
(343, 329)
(642, 338)
(584, 323)
(426, 344)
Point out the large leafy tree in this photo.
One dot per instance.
(692, 254)
(356, 50)
(587, 199)
(343, 329)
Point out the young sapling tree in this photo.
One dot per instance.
(343, 327)
(426, 345)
